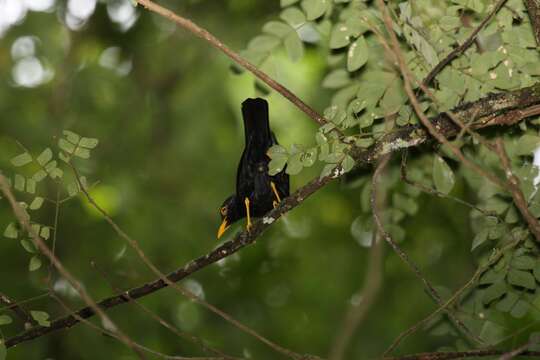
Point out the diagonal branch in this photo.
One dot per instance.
(215, 42)
(533, 8)
(461, 48)
(228, 248)
(503, 109)
(457, 355)
(17, 310)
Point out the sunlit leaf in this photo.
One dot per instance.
(5, 319)
(41, 317)
(36, 203)
(35, 263)
(44, 157)
(71, 137)
(11, 231)
(22, 159)
(88, 143)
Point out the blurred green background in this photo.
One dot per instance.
(166, 109)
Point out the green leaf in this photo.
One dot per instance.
(45, 232)
(72, 188)
(493, 292)
(22, 159)
(527, 144)
(263, 43)
(521, 278)
(5, 319)
(357, 55)
(314, 8)
(309, 157)
(536, 271)
(293, 16)
(82, 153)
(277, 28)
(88, 143)
(36, 203)
(524, 262)
(480, 238)
(294, 46)
(520, 309)
(340, 36)
(294, 164)
(492, 332)
(348, 163)
(39, 175)
(336, 79)
(405, 203)
(41, 317)
(327, 170)
(11, 231)
(19, 182)
(507, 302)
(28, 246)
(66, 146)
(35, 263)
(71, 137)
(45, 157)
(443, 176)
(30, 186)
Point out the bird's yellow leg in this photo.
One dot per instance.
(273, 186)
(248, 226)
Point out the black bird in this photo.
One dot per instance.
(256, 191)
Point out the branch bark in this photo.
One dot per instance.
(457, 355)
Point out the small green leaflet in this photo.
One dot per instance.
(521, 278)
(35, 263)
(45, 157)
(5, 319)
(22, 159)
(293, 16)
(314, 8)
(41, 317)
(357, 55)
(527, 144)
(294, 46)
(11, 231)
(443, 176)
(336, 79)
(277, 28)
(278, 155)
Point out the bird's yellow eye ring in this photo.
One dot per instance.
(223, 210)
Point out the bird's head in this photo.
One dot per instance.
(229, 214)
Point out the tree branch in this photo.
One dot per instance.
(501, 109)
(461, 48)
(215, 42)
(17, 310)
(533, 8)
(457, 355)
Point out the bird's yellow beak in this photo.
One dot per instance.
(223, 227)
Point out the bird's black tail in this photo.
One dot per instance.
(256, 123)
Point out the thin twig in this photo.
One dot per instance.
(137, 345)
(357, 312)
(18, 310)
(456, 355)
(461, 48)
(517, 194)
(434, 131)
(215, 42)
(24, 220)
(533, 8)
(194, 339)
(228, 248)
(135, 245)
